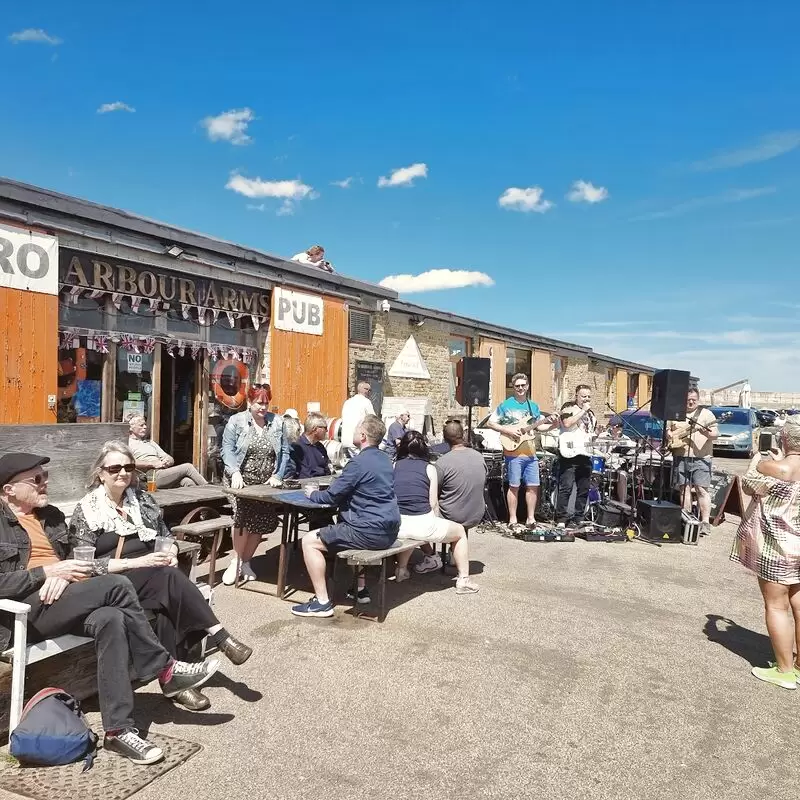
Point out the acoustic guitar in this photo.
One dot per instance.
(677, 440)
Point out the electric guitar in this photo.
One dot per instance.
(575, 441)
(526, 444)
(676, 440)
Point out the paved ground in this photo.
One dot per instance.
(581, 670)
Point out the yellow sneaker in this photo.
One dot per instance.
(786, 680)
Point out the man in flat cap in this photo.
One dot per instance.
(70, 596)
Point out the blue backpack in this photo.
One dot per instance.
(53, 731)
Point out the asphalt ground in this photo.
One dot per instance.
(580, 670)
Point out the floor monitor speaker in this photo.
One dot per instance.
(660, 520)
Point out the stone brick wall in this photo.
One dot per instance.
(595, 375)
(390, 333)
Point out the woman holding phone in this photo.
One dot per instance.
(768, 543)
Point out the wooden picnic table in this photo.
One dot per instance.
(297, 509)
(187, 495)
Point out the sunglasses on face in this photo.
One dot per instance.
(38, 479)
(115, 469)
(520, 385)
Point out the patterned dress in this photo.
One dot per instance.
(768, 539)
(257, 468)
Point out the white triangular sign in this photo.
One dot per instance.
(409, 363)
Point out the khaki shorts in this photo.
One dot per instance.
(424, 528)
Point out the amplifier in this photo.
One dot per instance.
(611, 514)
(494, 466)
(660, 520)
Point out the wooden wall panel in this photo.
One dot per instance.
(622, 390)
(306, 368)
(496, 351)
(28, 356)
(542, 380)
(644, 393)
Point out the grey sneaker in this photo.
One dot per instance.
(131, 746)
(189, 676)
(705, 528)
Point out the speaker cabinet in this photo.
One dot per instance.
(670, 387)
(660, 520)
(472, 381)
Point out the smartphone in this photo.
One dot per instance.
(765, 443)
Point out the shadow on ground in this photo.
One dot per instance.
(749, 645)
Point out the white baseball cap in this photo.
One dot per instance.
(290, 412)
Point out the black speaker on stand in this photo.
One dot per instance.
(472, 385)
(660, 519)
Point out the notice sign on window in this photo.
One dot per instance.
(28, 260)
(135, 362)
(293, 311)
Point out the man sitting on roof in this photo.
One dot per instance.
(149, 455)
(314, 257)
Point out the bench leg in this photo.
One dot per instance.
(18, 669)
(282, 556)
(382, 592)
(216, 541)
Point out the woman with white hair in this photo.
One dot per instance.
(768, 543)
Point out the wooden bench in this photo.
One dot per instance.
(207, 528)
(76, 671)
(358, 559)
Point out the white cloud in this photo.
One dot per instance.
(769, 146)
(230, 126)
(586, 192)
(404, 176)
(286, 209)
(731, 196)
(529, 199)
(346, 183)
(34, 36)
(254, 207)
(116, 106)
(436, 279)
(256, 187)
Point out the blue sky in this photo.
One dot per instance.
(678, 250)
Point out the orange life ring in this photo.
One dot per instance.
(334, 429)
(232, 401)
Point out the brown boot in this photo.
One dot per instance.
(235, 651)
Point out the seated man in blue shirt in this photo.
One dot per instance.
(369, 518)
(307, 456)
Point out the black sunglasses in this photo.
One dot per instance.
(115, 469)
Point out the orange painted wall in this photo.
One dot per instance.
(622, 389)
(306, 368)
(542, 380)
(644, 392)
(496, 351)
(28, 356)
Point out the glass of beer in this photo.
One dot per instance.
(84, 553)
(163, 544)
(151, 480)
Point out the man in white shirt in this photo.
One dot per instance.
(353, 412)
(314, 257)
(148, 455)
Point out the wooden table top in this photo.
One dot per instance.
(279, 495)
(187, 495)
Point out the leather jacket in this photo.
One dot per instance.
(17, 581)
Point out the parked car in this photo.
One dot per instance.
(766, 417)
(641, 425)
(738, 433)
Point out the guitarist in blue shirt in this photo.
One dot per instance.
(578, 428)
(516, 419)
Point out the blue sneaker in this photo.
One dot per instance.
(313, 608)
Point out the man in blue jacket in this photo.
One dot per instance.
(307, 456)
(369, 518)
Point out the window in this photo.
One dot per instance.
(558, 368)
(134, 386)
(517, 361)
(459, 346)
(80, 384)
(633, 389)
(360, 327)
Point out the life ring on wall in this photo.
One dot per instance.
(335, 429)
(223, 372)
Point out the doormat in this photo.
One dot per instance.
(111, 778)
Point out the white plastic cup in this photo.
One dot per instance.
(163, 544)
(84, 553)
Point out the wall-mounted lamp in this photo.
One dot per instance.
(174, 251)
(385, 306)
(417, 322)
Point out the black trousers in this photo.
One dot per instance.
(182, 613)
(576, 471)
(107, 609)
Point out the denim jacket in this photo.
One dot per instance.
(16, 580)
(237, 436)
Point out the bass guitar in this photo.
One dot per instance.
(574, 443)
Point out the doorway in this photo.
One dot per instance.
(178, 395)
